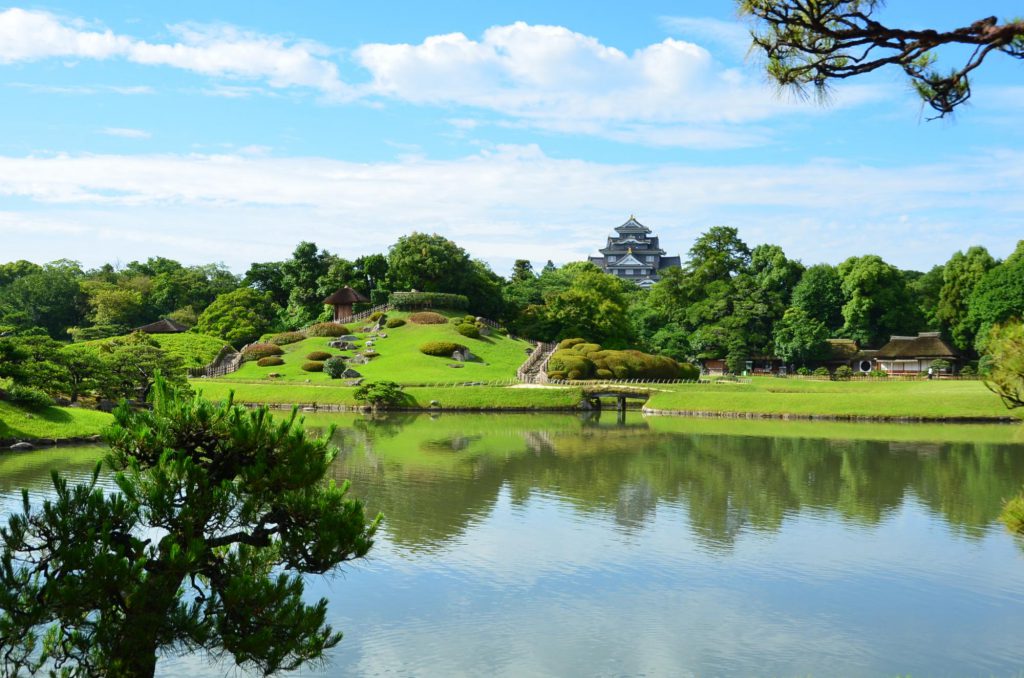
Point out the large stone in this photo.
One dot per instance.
(455, 365)
(463, 356)
(354, 382)
(348, 337)
(358, 360)
(435, 403)
(349, 373)
(23, 446)
(342, 345)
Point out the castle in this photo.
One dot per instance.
(634, 254)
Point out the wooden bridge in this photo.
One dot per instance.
(592, 396)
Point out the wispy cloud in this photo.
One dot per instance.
(915, 214)
(126, 132)
(221, 51)
(732, 35)
(83, 89)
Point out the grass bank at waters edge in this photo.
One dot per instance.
(52, 423)
(769, 396)
(450, 397)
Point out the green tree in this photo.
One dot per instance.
(220, 511)
(130, 366)
(522, 271)
(238, 317)
(268, 277)
(960, 276)
(427, 263)
(811, 43)
(13, 270)
(302, 275)
(877, 304)
(799, 338)
(926, 289)
(998, 297)
(50, 298)
(820, 294)
(114, 305)
(717, 255)
(595, 306)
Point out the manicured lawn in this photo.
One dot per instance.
(400, 359)
(884, 399)
(52, 423)
(461, 397)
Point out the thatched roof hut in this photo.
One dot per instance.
(342, 301)
(914, 354)
(162, 326)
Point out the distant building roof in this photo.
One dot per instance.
(924, 345)
(632, 226)
(162, 326)
(346, 295)
(842, 349)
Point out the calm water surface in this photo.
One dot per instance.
(525, 545)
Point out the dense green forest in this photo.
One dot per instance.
(728, 300)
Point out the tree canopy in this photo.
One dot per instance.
(219, 513)
(811, 43)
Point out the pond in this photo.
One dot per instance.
(525, 545)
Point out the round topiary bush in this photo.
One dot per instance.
(285, 338)
(318, 356)
(569, 343)
(427, 318)
(29, 397)
(556, 375)
(804, 371)
(689, 372)
(604, 374)
(844, 373)
(326, 330)
(261, 350)
(822, 372)
(574, 375)
(466, 330)
(376, 315)
(313, 366)
(469, 319)
(334, 367)
(270, 361)
(394, 322)
(441, 349)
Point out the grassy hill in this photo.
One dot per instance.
(400, 359)
(52, 422)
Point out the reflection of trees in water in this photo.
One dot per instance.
(431, 490)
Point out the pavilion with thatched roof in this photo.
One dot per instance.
(342, 301)
(914, 355)
(162, 326)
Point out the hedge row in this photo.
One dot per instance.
(270, 361)
(326, 330)
(428, 318)
(260, 350)
(285, 338)
(405, 301)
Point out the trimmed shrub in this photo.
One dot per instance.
(441, 349)
(878, 373)
(313, 366)
(604, 374)
(261, 350)
(620, 372)
(270, 361)
(557, 375)
(318, 356)
(379, 393)
(689, 372)
(405, 301)
(569, 343)
(940, 365)
(844, 373)
(574, 375)
(285, 338)
(29, 397)
(469, 319)
(326, 330)
(968, 371)
(804, 371)
(427, 318)
(376, 315)
(471, 331)
(822, 372)
(334, 366)
(394, 322)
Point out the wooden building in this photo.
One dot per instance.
(342, 301)
(634, 254)
(162, 326)
(914, 355)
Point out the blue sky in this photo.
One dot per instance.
(231, 131)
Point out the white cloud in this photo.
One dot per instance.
(730, 34)
(220, 51)
(505, 203)
(669, 93)
(126, 132)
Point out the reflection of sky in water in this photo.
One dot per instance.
(529, 546)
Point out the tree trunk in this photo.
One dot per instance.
(133, 653)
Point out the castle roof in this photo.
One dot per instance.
(632, 226)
